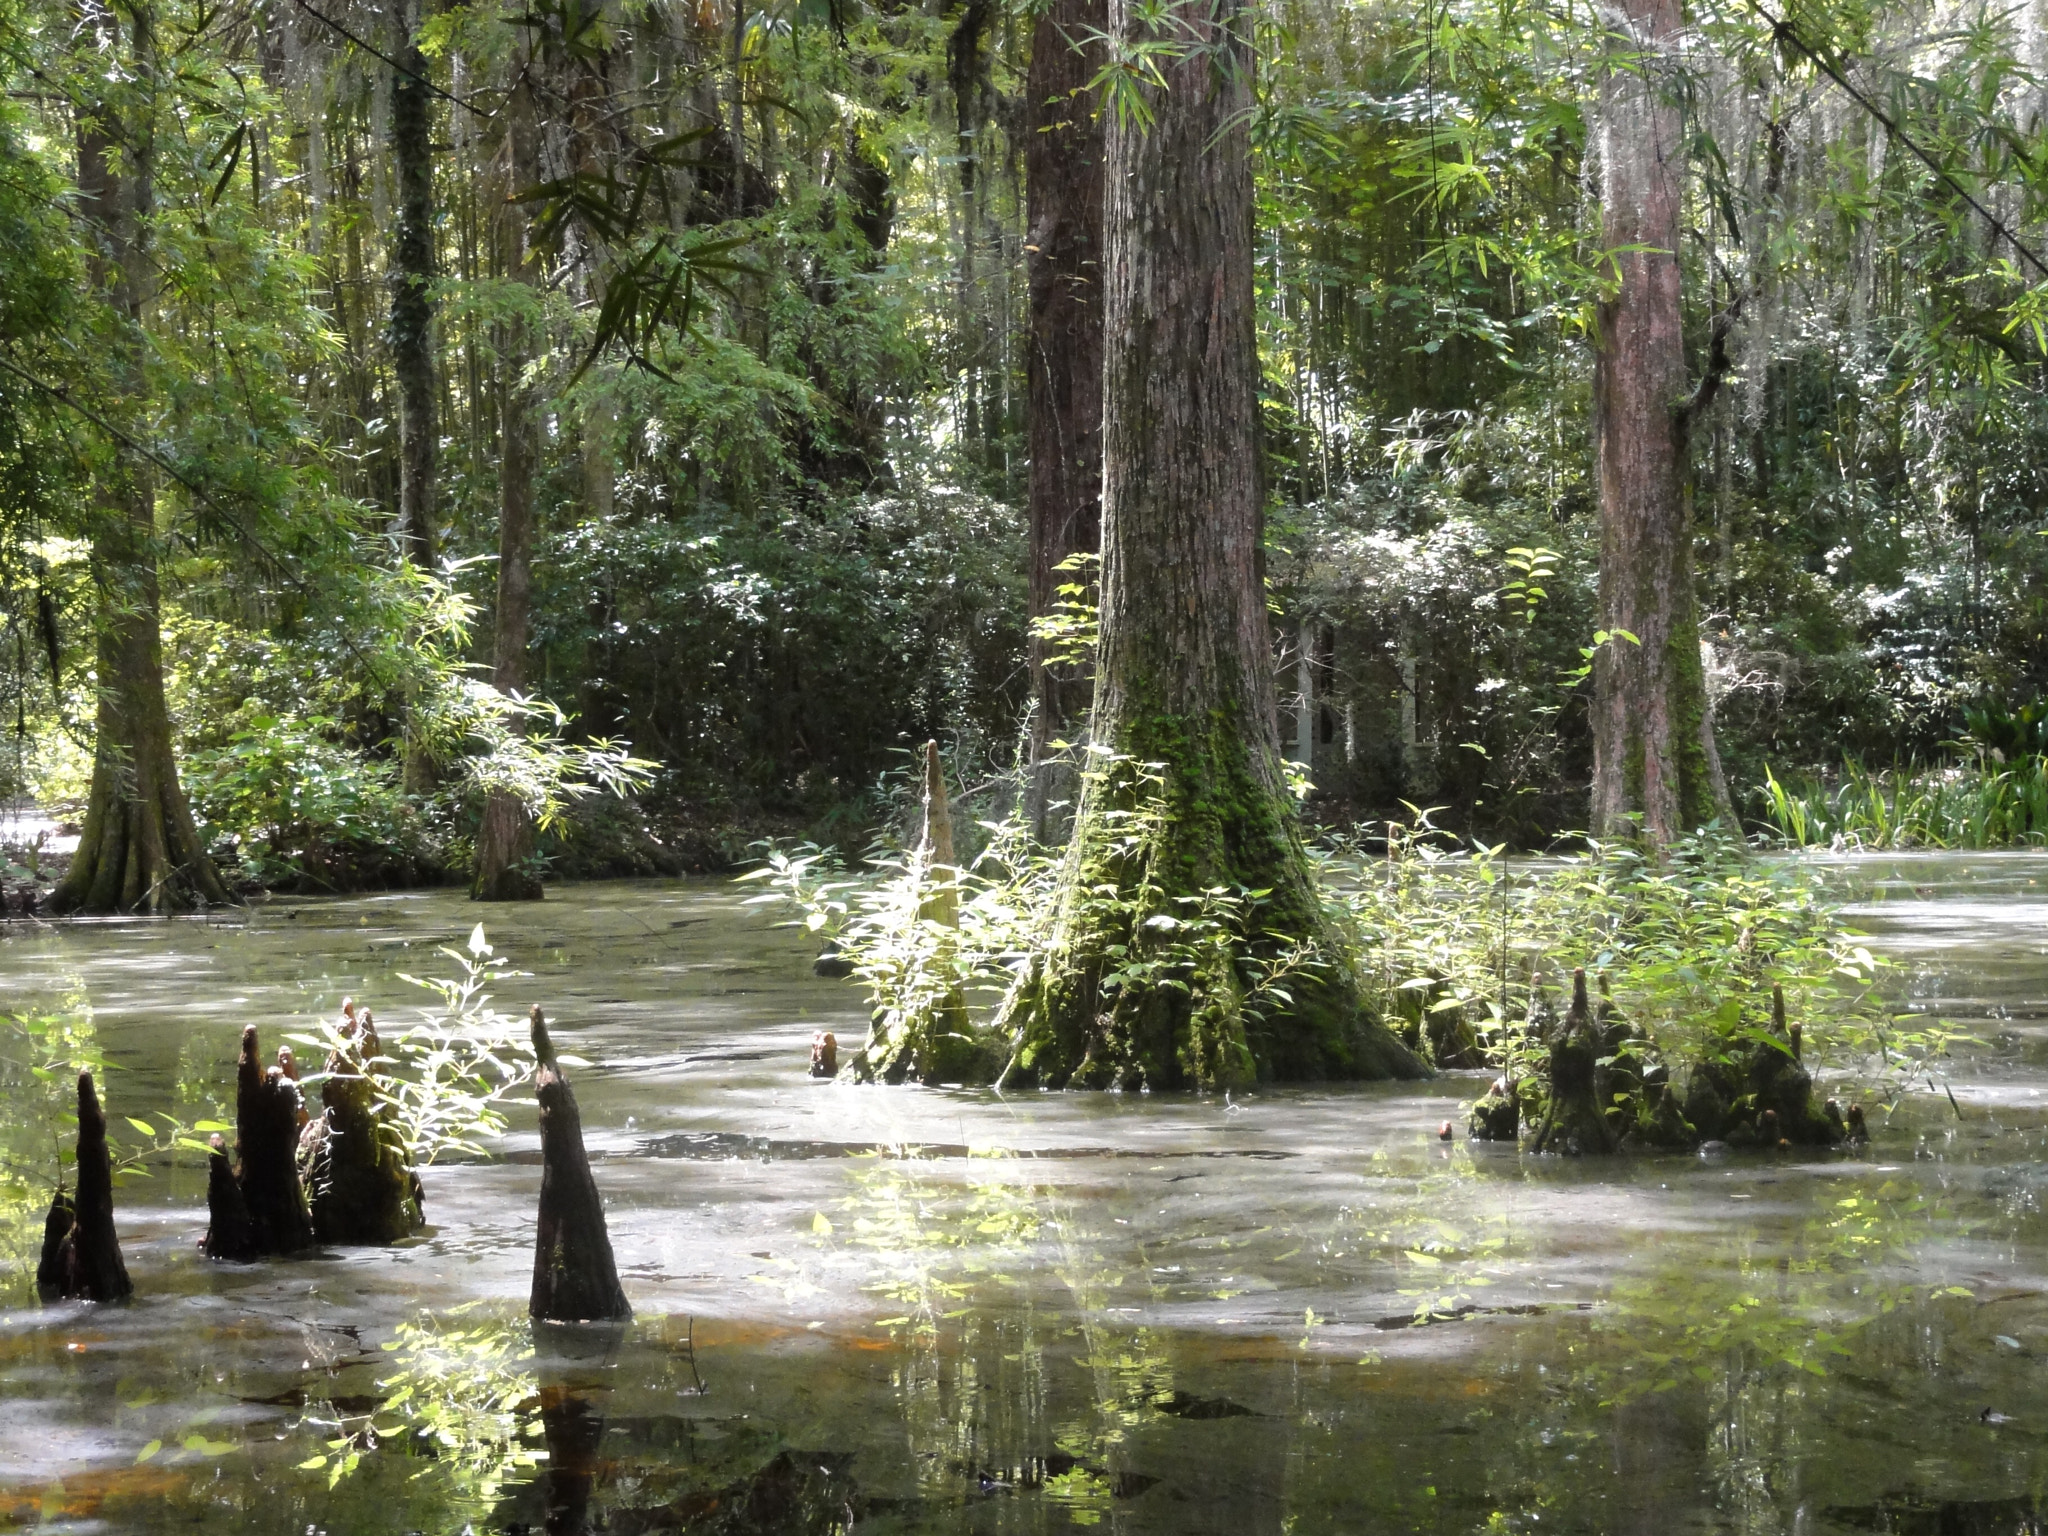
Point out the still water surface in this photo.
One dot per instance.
(915, 1311)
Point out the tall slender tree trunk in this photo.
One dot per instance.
(411, 333)
(1063, 145)
(504, 839)
(412, 304)
(1655, 770)
(1148, 981)
(139, 850)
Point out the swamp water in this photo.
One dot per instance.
(919, 1311)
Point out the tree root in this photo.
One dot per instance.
(574, 1276)
(363, 1188)
(259, 1208)
(81, 1257)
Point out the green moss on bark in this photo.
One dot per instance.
(1192, 948)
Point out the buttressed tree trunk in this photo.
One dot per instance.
(1187, 794)
(504, 840)
(1063, 147)
(139, 850)
(1653, 733)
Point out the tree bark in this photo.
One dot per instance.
(139, 849)
(261, 1208)
(1656, 773)
(1063, 147)
(575, 1279)
(504, 839)
(81, 1258)
(412, 306)
(1148, 982)
(359, 1182)
(411, 331)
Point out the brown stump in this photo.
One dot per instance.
(268, 1107)
(1782, 1088)
(574, 1276)
(81, 1259)
(1574, 1121)
(1498, 1115)
(362, 1186)
(230, 1234)
(824, 1054)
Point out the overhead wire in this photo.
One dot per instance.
(1785, 31)
(375, 52)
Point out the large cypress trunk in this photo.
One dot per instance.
(1063, 253)
(1141, 986)
(1655, 771)
(139, 849)
(504, 839)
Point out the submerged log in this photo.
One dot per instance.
(361, 1183)
(574, 1276)
(1574, 1121)
(84, 1261)
(268, 1111)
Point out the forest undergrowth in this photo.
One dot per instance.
(1716, 965)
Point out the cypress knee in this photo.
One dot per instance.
(268, 1112)
(1575, 1120)
(230, 1234)
(574, 1276)
(84, 1261)
(1782, 1088)
(359, 1180)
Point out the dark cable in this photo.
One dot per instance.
(328, 21)
(1784, 30)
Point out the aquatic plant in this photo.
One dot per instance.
(442, 1080)
(1988, 802)
(1689, 948)
(459, 1402)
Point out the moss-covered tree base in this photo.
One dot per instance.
(361, 1187)
(1192, 950)
(1574, 1119)
(1605, 1091)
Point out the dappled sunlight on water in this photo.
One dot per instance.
(908, 1310)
